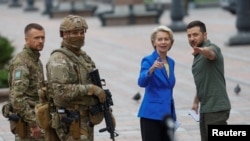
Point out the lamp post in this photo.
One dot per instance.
(73, 8)
(242, 24)
(176, 13)
(15, 3)
(30, 6)
(48, 4)
(3, 1)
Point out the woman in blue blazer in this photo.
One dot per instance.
(158, 78)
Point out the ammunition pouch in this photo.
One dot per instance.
(43, 115)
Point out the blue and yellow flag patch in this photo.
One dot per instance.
(18, 74)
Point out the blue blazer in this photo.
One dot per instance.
(158, 97)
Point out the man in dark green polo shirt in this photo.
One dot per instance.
(208, 73)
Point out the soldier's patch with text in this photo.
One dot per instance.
(17, 75)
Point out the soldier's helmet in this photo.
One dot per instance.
(73, 22)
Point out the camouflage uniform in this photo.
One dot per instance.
(69, 84)
(25, 78)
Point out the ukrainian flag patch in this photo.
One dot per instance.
(18, 74)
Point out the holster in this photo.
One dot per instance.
(50, 135)
(17, 125)
(71, 119)
(74, 129)
(21, 128)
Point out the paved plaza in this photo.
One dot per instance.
(117, 52)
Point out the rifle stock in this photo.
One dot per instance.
(106, 106)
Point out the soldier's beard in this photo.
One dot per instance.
(75, 42)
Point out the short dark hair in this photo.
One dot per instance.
(32, 26)
(199, 24)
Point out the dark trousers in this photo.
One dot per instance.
(216, 118)
(153, 130)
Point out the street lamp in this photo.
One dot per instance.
(242, 24)
(15, 3)
(30, 6)
(48, 4)
(177, 15)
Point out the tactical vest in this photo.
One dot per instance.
(82, 78)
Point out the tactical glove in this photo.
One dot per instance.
(97, 91)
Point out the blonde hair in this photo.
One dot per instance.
(161, 28)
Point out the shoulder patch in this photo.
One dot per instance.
(18, 74)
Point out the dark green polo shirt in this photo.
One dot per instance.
(210, 81)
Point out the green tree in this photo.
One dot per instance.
(6, 51)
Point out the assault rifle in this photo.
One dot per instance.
(104, 107)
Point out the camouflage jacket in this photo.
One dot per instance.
(25, 78)
(67, 76)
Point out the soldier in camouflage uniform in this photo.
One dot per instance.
(69, 85)
(25, 78)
